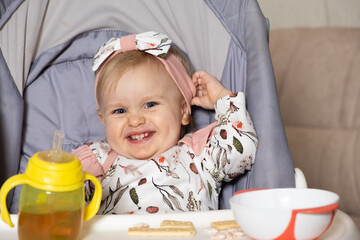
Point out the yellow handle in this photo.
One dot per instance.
(7, 186)
(94, 205)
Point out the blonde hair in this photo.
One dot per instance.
(121, 63)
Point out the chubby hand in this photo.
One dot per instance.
(208, 90)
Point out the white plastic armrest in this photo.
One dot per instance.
(300, 180)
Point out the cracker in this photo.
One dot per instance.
(176, 224)
(223, 225)
(168, 228)
(161, 232)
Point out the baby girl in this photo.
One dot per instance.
(151, 161)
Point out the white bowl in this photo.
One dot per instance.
(266, 214)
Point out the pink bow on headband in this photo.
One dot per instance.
(154, 43)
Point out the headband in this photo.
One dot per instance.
(154, 43)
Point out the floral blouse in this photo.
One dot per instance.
(180, 179)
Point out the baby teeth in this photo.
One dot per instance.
(140, 136)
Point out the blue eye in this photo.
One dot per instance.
(119, 111)
(150, 104)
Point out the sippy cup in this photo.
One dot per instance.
(52, 201)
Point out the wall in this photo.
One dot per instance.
(311, 13)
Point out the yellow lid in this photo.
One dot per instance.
(63, 174)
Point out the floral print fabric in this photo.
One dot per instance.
(179, 180)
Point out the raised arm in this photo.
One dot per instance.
(231, 148)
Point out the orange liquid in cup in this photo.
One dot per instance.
(61, 225)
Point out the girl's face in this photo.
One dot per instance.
(144, 114)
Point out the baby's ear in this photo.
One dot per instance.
(100, 116)
(185, 114)
(186, 119)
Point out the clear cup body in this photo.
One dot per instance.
(50, 215)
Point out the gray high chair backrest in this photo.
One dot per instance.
(47, 82)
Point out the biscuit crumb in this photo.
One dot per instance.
(210, 231)
(141, 225)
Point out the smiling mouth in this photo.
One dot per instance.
(139, 137)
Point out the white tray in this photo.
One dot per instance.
(115, 226)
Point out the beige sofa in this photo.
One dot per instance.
(318, 78)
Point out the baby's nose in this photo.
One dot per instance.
(136, 119)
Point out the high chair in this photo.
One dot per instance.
(46, 50)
